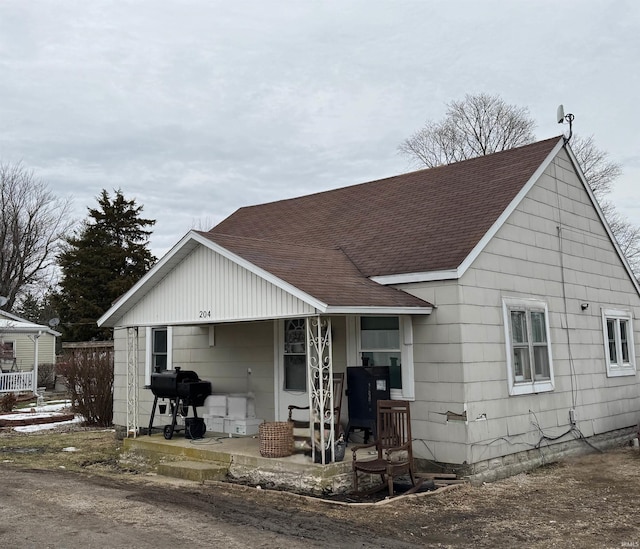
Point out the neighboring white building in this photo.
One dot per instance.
(21, 340)
(493, 288)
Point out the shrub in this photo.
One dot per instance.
(8, 402)
(89, 374)
(46, 375)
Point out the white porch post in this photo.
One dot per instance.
(132, 381)
(320, 384)
(35, 339)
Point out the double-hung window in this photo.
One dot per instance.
(529, 362)
(159, 351)
(388, 341)
(618, 341)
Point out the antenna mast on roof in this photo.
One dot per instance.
(561, 117)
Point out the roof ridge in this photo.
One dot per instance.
(405, 174)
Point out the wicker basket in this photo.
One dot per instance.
(276, 439)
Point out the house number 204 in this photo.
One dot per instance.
(204, 314)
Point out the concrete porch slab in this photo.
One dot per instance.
(197, 471)
(240, 455)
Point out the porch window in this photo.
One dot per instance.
(158, 351)
(530, 368)
(295, 355)
(380, 345)
(618, 338)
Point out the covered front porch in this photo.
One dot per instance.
(272, 331)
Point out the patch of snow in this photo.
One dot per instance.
(70, 449)
(45, 426)
(53, 406)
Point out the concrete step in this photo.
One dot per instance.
(197, 471)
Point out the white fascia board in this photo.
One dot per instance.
(605, 223)
(477, 249)
(266, 275)
(160, 269)
(408, 278)
(155, 271)
(379, 310)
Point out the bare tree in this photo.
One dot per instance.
(483, 124)
(478, 125)
(626, 233)
(32, 224)
(599, 171)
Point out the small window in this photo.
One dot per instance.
(159, 352)
(295, 355)
(7, 350)
(380, 345)
(618, 339)
(530, 368)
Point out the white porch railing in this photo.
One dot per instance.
(17, 382)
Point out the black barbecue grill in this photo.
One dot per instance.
(184, 389)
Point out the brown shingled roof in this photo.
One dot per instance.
(324, 273)
(429, 220)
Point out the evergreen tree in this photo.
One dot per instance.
(100, 263)
(29, 308)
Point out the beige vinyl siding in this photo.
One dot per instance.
(524, 260)
(438, 374)
(460, 351)
(25, 349)
(207, 287)
(237, 348)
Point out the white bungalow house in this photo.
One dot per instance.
(24, 346)
(493, 289)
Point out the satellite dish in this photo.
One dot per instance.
(3, 301)
(54, 322)
(560, 114)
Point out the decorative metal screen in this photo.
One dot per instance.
(320, 369)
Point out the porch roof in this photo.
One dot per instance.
(320, 280)
(13, 324)
(327, 274)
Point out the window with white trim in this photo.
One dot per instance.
(295, 355)
(528, 346)
(388, 341)
(7, 350)
(618, 342)
(158, 351)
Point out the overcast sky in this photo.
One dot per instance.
(196, 108)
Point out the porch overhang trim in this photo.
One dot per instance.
(149, 280)
(408, 278)
(335, 310)
(178, 252)
(28, 330)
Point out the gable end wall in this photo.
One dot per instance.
(460, 353)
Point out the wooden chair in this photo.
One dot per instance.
(302, 425)
(393, 444)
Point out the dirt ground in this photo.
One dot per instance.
(87, 497)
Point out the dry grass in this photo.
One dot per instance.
(77, 450)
